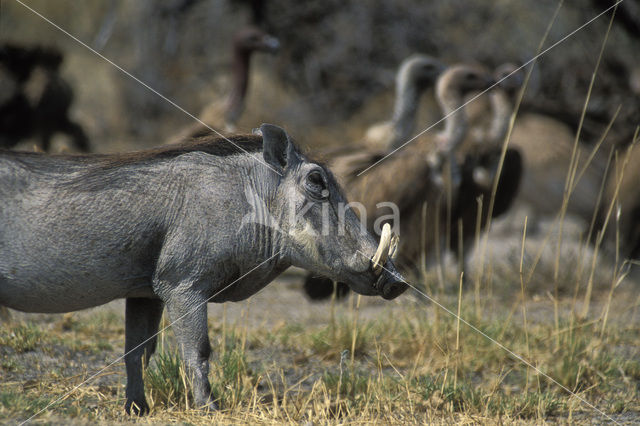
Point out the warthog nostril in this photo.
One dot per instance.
(393, 290)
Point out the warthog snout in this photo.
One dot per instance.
(391, 284)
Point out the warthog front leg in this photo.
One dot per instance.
(142, 319)
(189, 322)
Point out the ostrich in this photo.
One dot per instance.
(416, 74)
(546, 146)
(34, 99)
(489, 130)
(411, 178)
(480, 157)
(224, 116)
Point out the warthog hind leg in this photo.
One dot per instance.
(142, 319)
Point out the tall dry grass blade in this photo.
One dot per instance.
(597, 147)
(423, 245)
(601, 233)
(524, 302)
(457, 353)
(224, 327)
(571, 173)
(477, 275)
(591, 229)
(596, 209)
(332, 312)
(621, 274)
(448, 206)
(573, 163)
(354, 334)
(274, 396)
(245, 324)
(460, 254)
(556, 319)
(163, 328)
(507, 138)
(438, 247)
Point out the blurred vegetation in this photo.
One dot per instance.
(338, 58)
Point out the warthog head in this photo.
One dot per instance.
(317, 229)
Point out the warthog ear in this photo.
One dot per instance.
(277, 148)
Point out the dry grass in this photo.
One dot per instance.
(410, 363)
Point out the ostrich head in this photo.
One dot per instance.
(252, 39)
(420, 71)
(510, 77)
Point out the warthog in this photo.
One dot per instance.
(176, 227)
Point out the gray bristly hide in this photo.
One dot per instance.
(173, 227)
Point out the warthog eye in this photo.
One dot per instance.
(316, 185)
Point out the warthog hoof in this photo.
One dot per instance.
(210, 406)
(136, 407)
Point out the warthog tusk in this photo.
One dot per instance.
(393, 248)
(382, 254)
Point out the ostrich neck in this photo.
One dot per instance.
(405, 109)
(235, 102)
(455, 123)
(501, 108)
